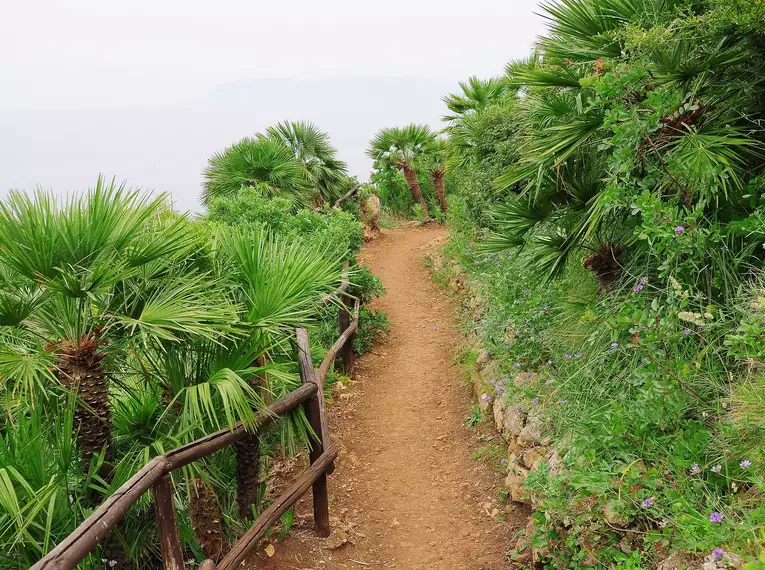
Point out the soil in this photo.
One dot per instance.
(407, 492)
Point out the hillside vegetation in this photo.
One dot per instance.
(605, 197)
(128, 329)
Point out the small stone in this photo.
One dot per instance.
(515, 479)
(514, 421)
(526, 379)
(499, 414)
(531, 457)
(483, 357)
(531, 434)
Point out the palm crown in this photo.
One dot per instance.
(260, 162)
(311, 147)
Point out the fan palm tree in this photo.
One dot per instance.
(260, 162)
(560, 191)
(476, 94)
(88, 279)
(400, 147)
(280, 285)
(437, 163)
(312, 149)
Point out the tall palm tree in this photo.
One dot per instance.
(437, 164)
(400, 147)
(259, 162)
(313, 150)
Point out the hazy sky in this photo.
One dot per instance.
(146, 90)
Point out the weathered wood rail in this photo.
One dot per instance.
(155, 475)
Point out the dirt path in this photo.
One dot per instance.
(406, 493)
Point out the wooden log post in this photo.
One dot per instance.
(344, 321)
(170, 540)
(314, 411)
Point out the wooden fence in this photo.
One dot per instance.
(155, 475)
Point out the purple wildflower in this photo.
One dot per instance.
(716, 517)
(695, 469)
(602, 360)
(529, 374)
(549, 362)
(687, 331)
(716, 468)
(485, 398)
(745, 463)
(535, 401)
(718, 554)
(568, 356)
(563, 402)
(638, 288)
(763, 246)
(548, 382)
(647, 502)
(491, 381)
(112, 563)
(644, 280)
(503, 461)
(517, 365)
(578, 355)
(614, 345)
(679, 229)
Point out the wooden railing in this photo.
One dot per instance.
(155, 475)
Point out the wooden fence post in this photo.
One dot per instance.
(344, 320)
(170, 541)
(314, 411)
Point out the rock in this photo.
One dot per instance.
(499, 414)
(480, 387)
(455, 284)
(490, 371)
(532, 456)
(515, 420)
(371, 209)
(516, 476)
(729, 562)
(679, 561)
(531, 434)
(512, 445)
(483, 357)
(554, 462)
(526, 379)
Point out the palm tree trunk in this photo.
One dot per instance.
(414, 186)
(80, 368)
(206, 519)
(247, 473)
(440, 189)
(247, 452)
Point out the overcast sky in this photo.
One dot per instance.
(146, 90)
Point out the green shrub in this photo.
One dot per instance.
(336, 232)
(373, 327)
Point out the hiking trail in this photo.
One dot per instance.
(406, 493)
